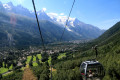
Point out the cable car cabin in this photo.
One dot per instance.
(92, 70)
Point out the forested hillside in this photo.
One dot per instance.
(108, 56)
(109, 52)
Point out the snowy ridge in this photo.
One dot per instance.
(6, 6)
(54, 17)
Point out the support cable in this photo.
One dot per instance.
(67, 20)
(38, 26)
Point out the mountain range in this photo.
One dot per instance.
(18, 26)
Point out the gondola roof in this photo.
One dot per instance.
(91, 62)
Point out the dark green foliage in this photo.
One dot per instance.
(44, 77)
(108, 56)
(42, 71)
(67, 74)
(37, 60)
(67, 69)
(109, 52)
(54, 58)
(0, 76)
(31, 62)
(44, 57)
(17, 75)
(1, 65)
(14, 64)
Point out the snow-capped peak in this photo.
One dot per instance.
(71, 22)
(61, 19)
(41, 12)
(6, 6)
(77, 22)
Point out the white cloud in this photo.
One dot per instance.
(44, 9)
(61, 14)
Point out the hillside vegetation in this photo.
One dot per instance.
(109, 57)
(66, 65)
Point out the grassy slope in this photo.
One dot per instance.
(2, 70)
(34, 58)
(49, 60)
(39, 56)
(28, 59)
(62, 55)
(35, 64)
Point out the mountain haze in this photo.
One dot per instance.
(18, 27)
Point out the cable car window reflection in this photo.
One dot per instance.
(94, 70)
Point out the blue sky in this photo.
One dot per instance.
(100, 13)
